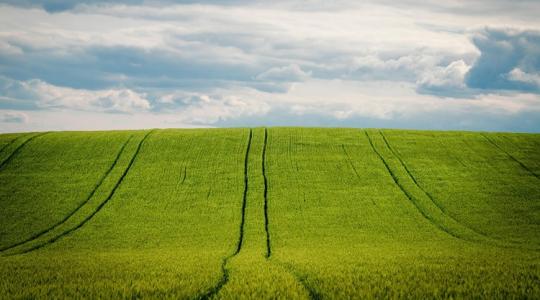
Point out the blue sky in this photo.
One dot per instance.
(452, 65)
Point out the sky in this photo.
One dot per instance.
(130, 64)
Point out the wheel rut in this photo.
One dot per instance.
(523, 166)
(96, 187)
(428, 195)
(265, 193)
(215, 290)
(407, 194)
(18, 149)
(301, 279)
(14, 140)
(350, 161)
(470, 235)
(184, 175)
(225, 271)
(97, 209)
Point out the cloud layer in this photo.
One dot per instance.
(217, 63)
(509, 59)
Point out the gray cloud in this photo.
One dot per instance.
(311, 62)
(509, 61)
(507, 58)
(523, 8)
(207, 49)
(109, 66)
(13, 117)
(290, 73)
(438, 120)
(63, 5)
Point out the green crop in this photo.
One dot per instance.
(270, 213)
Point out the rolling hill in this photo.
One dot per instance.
(269, 213)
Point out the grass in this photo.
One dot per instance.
(270, 213)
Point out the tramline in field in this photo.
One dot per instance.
(269, 212)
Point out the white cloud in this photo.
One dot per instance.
(205, 109)
(87, 120)
(13, 117)
(42, 95)
(446, 80)
(212, 63)
(8, 49)
(289, 73)
(114, 100)
(518, 75)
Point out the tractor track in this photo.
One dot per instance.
(313, 295)
(244, 199)
(301, 279)
(101, 205)
(408, 195)
(486, 238)
(212, 292)
(10, 157)
(510, 156)
(436, 203)
(350, 161)
(184, 174)
(187, 164)
(265, 180)
(99, 183)
(12, 142)
(225, 277)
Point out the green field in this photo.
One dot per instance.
(270, 213)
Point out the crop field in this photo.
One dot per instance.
(291, 213)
